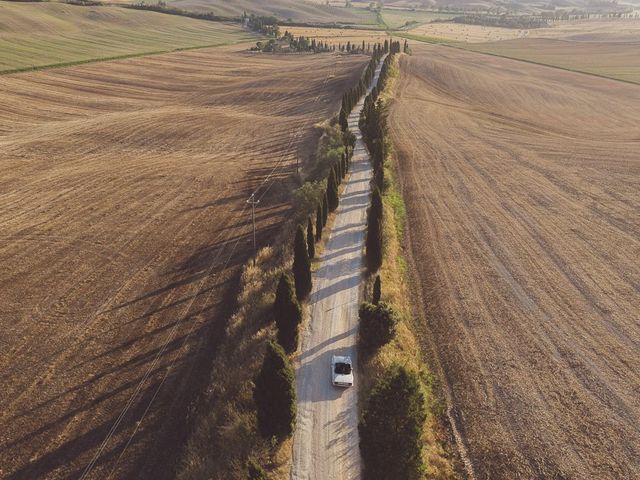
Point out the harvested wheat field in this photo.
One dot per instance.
(522, 185)
(459, 32)
(124, 226)
(608, 59)
(335, 36)
(35, 35)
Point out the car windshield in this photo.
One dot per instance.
(343, 368)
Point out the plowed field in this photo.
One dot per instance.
(522, 185)
(123, 225)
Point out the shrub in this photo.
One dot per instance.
(287, 314)
(306, 197)
(275, 394)
(301, 265)
(332, 191)
(374, 232)
(391, 428)
(377, 325)
(255, 471)
(311, 244)
(376, 291)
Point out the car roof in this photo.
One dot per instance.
(341, 359)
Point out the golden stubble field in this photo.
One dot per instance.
(335, 36)
(522, 185)
(609, 48)
(123, 228)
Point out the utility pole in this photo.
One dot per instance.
(253, 203)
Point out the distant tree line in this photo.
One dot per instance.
(266, 25)
(505, 21)
(291, 43)
(162, 7)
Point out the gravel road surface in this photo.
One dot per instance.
(326, 440)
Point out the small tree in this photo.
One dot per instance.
(376, 291)
(287, 314)
(319, 223)
(275, 394)
(332, 191)
(311, 244)
(373, 241)
(377, 325)
(301, 265)
(391, 428)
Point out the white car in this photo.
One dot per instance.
(341, 371)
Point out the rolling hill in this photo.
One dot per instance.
(34, 35)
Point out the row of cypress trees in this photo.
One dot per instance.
(353, 95)
(274, 391)
(373, 126)
(391, 424)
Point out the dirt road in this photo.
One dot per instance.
(522, 185)
(325, 445)
(123, 227)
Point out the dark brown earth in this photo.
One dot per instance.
(522, 185)
(123, 225)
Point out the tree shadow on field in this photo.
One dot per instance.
(121, 363)
(223, 200)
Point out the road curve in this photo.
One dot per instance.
(325, 445)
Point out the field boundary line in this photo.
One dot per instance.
(75, 63)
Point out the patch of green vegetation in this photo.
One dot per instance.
(397, 19)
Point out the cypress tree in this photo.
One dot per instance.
(332, 191)
(275, 394)
(374, 232)
(319, 223)
(379, 178)
(301, 265)
(311, 244)
(391, 428)
(344, 124)
(287, 314)
(325, 209)
(376, 291)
